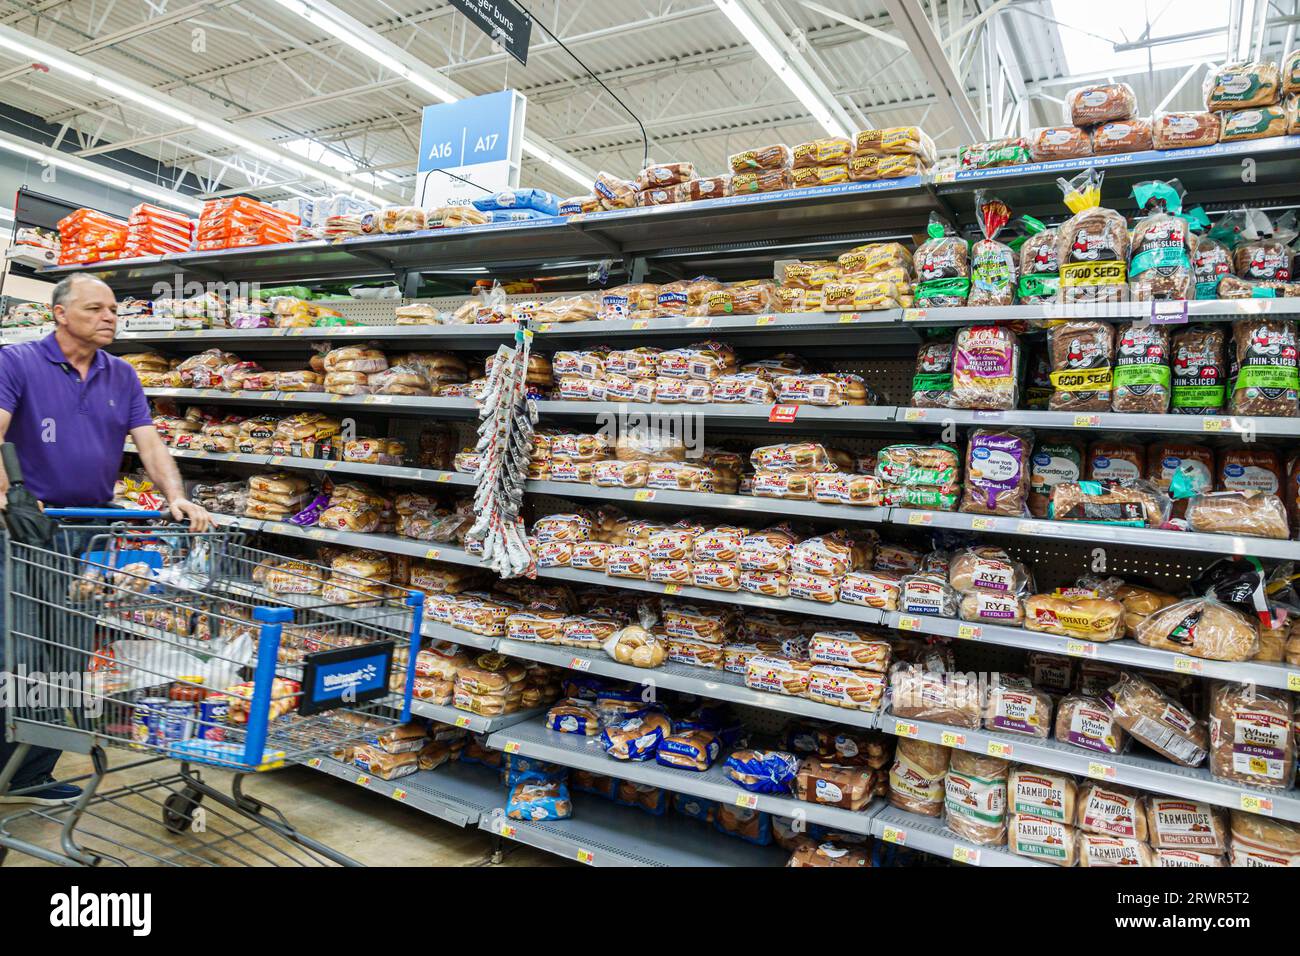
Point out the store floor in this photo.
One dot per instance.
(365, 826)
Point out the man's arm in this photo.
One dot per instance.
(161, 468)
(5, 419)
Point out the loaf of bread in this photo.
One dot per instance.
(1122, 136)
(1201, 627)
(1097, 850)
(834, 785)
(916, 780)
(828, 853)
(1266, 381)
(1089, 619)
(985, 568)
(1263, 841)
(1251, 736)
(1039, 838)
(1158, 721)
(1049, 143)
(945, 697)
(1176, 823)
(1181, 130)
(1082, 357)
(1042, 793)
(985, 365)
(1127, 502)
(1234, 86)
(1111, 811)
(1088, 722)
(997, 473)
(975, 798)
(1014, 706)
(1239, 512)
(1091, 105)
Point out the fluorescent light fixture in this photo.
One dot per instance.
(557, 164)
(776, 61)
(151, 103)
(1245, 34)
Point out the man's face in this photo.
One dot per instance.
(89, 314)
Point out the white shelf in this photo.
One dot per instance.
(1146, 773)
(929, 835)
(1211, 425)
(433, 407)
(476, 723)
(457, 792)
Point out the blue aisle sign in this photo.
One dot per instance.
(479, 139)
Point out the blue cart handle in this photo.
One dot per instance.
(115, 513)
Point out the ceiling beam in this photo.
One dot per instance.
(927, 49)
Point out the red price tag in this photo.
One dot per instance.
(783, 413)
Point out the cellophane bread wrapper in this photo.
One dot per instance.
(1040, 268)
(1089, 723)
(985, 368)
(997, 473)
(1050, 143)
(1122, 136)
(946, 697)
(1266, 381)
(1044, 839)
(994, 153)
(1015, 706)
(1082, 618)
(916, 780)
(1142, 376)
(914, 464)
(990, 569)
(1102, 103)
(942, 268)
(1124, 501)
(1235, 86)
(1239, 512)
(1082, 357)
(1158, 721)
(1053, 462)
(975, 798)
(1093, 246)
(1251, 736)
(932, 382)
(1183, 129)
(1160, 252)
(992, 263)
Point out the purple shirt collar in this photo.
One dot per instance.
(51, 349)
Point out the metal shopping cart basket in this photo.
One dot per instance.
(196, 652)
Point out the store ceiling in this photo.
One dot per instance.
(693, 80)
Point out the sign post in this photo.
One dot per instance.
(478, 139)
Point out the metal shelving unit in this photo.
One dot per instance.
(446, 714)
(415, 405)
(457, 792)
(929, 835)
(1146, 773)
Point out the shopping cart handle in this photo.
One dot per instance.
(114, 513)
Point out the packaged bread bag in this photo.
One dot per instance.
(932, 382)
(1235, 86)
(1040, 269)
(985, 368)
(1251, 735)
(1093, 244)
(997, 473)
(1054, 460)
(1160, 252)
(1142, 375)
(992, 263)
(1092, 105)
(975, 798)
(1199, 376)
(1266, 380)
(1082, 355)
(916, 780)
(942, 267)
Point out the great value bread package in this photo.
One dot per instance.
(830, 784)
(1122, 136)
(916, 780)
(1049, 143)
(1239, 512)
(1201, 627)
(1266, 380)
(1157, 720)
(1054, 461)
(997, 472)
(1251, 736)
(975, 798)
(1091, 105)
(985, 368)
(1184, 129)
(1234, 86)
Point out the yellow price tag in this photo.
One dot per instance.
(914, 315)
(431, 554)
(1100, 771)
(363, 780)
(908, 622)
(336, 398)
(1087, 421)
(749, 800)
(579, 664)
(445, 476)
(903, 728)
(672, 588)
(585, 856)
(969, 632)
(399, 794)
(314, 762)
(998, 749)
(765, 320)
(1187, 665)
(512, 747)
(914, 415)
(1256, 804)
(920, 517)
(1292, 680)
(507, 830)
(544, 327)
(639, 324)
(1080, 649)
(462, 721)
(894, 835)
(983, 524)
(966, 854)
(950, 739)
(1216, 424)
(849, 317)
(643, 495)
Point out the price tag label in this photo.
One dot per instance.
(920, 517)
(1100, 771)
(431, 554)
(748, 800)
(966, 854)
(399, 793)
(1187, 665)
(998, 749)
(462, 721)
(700, 322)
(639, 324)
(914, 315)
(783, 413)
(1087, 421)
(914, 415)
(512, 747)
(969, 632)
(363, 780)
(894, 835)
(1171, 312)
(544, 327)
(765, 320)
(644, 495)
(336, 398)
(585, 856)
(1080, 649)
(314, 762)
(903, 728)
(1252, 803)
(445, 476)
(1216, 424)
(672, 588)
(850, 317)
(277, 460)
(950, 739)
(1026, 527)
(507, 830)
(983, 524)
(1292, 680)
(908, 622)
(579, 664)
(331, 465)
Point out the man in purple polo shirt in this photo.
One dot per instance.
(67, 407)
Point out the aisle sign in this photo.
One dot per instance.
(479, 139)
(504, 21)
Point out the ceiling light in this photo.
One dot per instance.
(557, 164)
(776, 60)
(151, 103)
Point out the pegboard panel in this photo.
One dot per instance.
(450, 303)
(367, 311)
(766, 720)
(892, 378)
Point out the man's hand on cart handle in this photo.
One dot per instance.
(183, 509)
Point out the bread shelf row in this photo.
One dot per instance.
(1123, 652)
(1160, 776)
(458, 793)
(585, 753)
(396, 472)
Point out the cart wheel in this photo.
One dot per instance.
(178, 810)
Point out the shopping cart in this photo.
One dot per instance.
(192, 648)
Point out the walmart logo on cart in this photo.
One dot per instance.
(76, 909)
(362, 676)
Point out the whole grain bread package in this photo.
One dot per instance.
(932, 382)
(985, 368)
(1054, 461)
(1266, 381)
(1040, 269)
(1157, 720)
(1199, 373)
(1093, 245)
(975, 797)
(1211, 261)
(942, 267)
(997, 473)
(1249, 469)
(992, 263)
(1082, 355)
(1251, 736)
(1142, 376)
(1091, 105)
(1160, 253)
